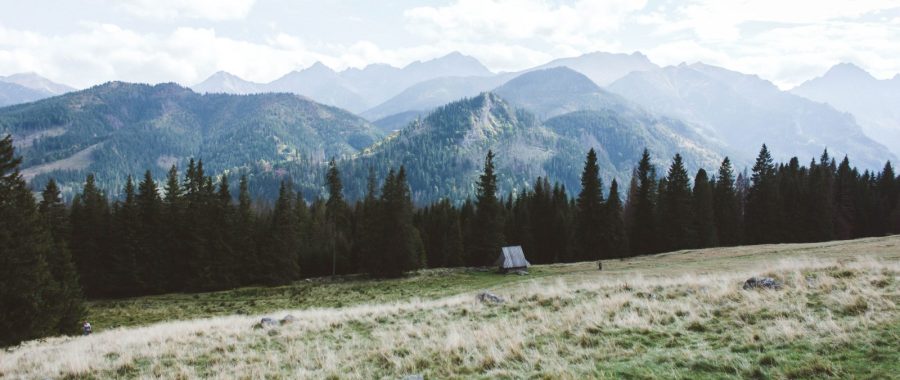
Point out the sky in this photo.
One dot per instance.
(87, 42)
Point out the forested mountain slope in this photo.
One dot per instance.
(117, 129)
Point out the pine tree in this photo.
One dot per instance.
(704, 216)
(762, 209)
(69, 301)
(617, 241)
(590, 230)
(90, 243)
(401, 242)
(27, 287)
(120, 259)
(676, 212)
(175, 271)
(641, 225)
(487, 228)
(279, 260)
(151, 259)
(726, 206)
(339, 222)
(244, 239)
(844, 202)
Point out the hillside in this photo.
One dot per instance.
(872, 102)
(118, 128)
(743, 111)
(680, 314)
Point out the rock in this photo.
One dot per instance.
(288, 319)
(761, 282)
(488, 297)
(268, 322)
(414, 377)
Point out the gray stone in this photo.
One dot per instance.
(414, 377)
(488, 297)
(288, 319)
(762, 283)
(268, 322)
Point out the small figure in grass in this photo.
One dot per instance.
(86, 328)
(599, 265)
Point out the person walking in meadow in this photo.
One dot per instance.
(86, 327)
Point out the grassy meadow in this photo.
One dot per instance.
(674, 315)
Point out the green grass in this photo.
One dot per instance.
(315, 293)
(680, 315)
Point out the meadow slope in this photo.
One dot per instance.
(674, 315)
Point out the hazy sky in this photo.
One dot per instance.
(85, 42)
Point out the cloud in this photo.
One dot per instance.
(216, 10)
(557, 23)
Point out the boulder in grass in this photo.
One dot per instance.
(288, 319)
(488, 297)
(762, 283)
(268, 322)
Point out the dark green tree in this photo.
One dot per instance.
(69, 301)
(617, 241)
(704, 216)
(590, 232)
(676, 211)
(727, 206)
(763, 217)
(641, 209)
(27, 288)
(487, 228)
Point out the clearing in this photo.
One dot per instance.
(674, 315)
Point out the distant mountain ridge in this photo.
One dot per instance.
(352, 89)
(874, 103)
(117, 128)
(743, 111)
(28, 87)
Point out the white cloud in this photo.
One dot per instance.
(478, 20)
(198, 9)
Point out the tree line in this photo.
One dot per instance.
(192, 234)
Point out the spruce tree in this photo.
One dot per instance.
(762, 210)
(844, 200)
(487, 229)
(90, 243)
(704, 216)
(726, 206)
(642, 231)
(69, 301)
(676, 211)
(151, 259)
(120, 259)
(401, 241)
(340, 226)
(27, 288)
(244, 240)
(279, 260)
(617, 239)
(590, 230)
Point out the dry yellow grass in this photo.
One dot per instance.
(681, 315)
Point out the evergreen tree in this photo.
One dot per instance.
(27, 288)
(90, 243)
(69, 301)
(244, 238)
(120, 259)
(590, 229)
(641, 225)
(401, 242)
(175, 271)
(279, 260)
(704, 216)
(844, 203)
(339, 222)
(820, 200)
(676, 211)
(726, 206)
(487, 229)
(762, 209)
(150, 258)
(617, 241)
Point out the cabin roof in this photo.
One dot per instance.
(512, 257)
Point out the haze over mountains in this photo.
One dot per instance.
(28, 87)
(439, 118)
(874, 103)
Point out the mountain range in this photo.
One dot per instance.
(28, 87)
(874, 103)
(353, 89)
(743, 111)
(438, 119)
